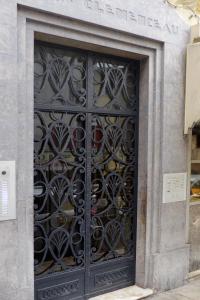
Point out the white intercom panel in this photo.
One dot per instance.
(7, 190)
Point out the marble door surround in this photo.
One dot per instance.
(36, 24)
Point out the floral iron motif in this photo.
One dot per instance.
(85, 171)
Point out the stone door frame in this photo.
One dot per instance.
(35, 24)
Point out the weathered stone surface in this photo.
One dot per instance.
(158, 20)
(175, 263)
(191, 291)
(151, 30)
(173, 225)
(129, 293)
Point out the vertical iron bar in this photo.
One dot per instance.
(88, 176)
(135, 198)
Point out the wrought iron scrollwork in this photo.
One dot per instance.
(59, 191)
(113, 186)
(60, 79)
(85, 169)
(115, 84)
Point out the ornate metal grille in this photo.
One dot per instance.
(115, 85)
(113, 186)
(59, 190)
(85, 170)
(60, 78)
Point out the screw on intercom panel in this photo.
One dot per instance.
(3, 173)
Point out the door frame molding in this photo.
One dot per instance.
(35, 24)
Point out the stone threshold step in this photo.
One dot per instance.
(129, 293)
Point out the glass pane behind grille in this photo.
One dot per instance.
(113, 186)
(115, 84)
(60, 77)
(85, 172)
(59, 191)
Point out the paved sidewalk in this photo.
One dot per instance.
(191, 291)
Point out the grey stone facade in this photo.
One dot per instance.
(148, 30)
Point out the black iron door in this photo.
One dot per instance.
(85, 172)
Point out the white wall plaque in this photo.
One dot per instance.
(7, 191)
(174, 187)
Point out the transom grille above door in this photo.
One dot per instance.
(85, 172)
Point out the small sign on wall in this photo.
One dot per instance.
(174, 187)
(7, 191)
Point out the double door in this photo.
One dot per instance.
(85, 172)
